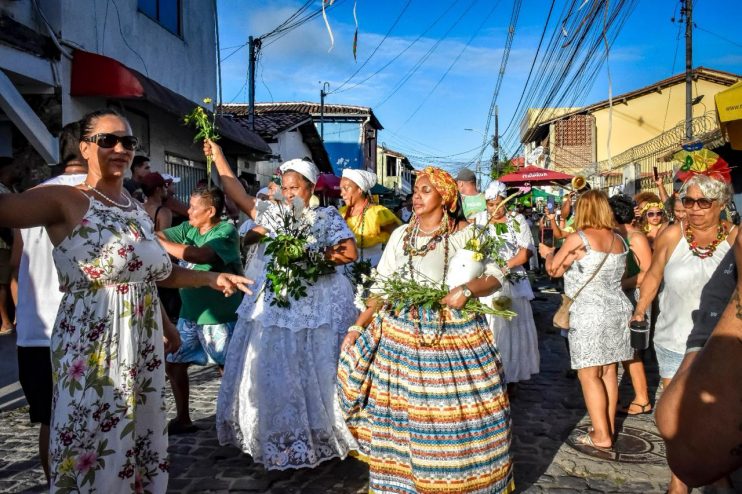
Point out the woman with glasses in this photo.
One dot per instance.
(108, 419)
(685, 257)
(652, 219)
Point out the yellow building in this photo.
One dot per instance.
(623, 143)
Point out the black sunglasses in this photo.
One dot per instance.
(108, 141)
(702, 202)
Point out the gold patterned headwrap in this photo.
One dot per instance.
(443, 183)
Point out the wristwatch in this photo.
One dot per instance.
(465, 291)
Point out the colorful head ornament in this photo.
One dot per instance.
(443, 183)
(700, 161)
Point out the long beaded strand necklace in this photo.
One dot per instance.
(708, 251)
(410, 248)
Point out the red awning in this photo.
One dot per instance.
(96, 75)
(328, 184)
(534, 175)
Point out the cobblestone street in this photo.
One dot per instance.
(546, 412)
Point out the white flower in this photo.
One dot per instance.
(297, 206)
(314, 201)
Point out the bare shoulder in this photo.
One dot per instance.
(668, 238)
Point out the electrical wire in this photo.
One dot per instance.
(389, 31)
(421, 61)
(396, 57)
(455, 60)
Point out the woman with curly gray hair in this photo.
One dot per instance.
(685, 257)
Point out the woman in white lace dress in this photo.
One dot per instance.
(277, 398)
(517, 339)
(599, 316)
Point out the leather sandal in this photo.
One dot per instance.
(645, 409)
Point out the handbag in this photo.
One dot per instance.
(561, 316)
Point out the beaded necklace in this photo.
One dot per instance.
(708, 251)
(104, 196)
(409, 247)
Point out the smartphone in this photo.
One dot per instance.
(550, 205)
(656, 173)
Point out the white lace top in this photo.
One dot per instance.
(326, 301)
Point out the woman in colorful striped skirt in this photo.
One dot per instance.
(422, 390)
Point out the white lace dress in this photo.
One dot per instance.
(599, 317)
(516, 339)
(277, 397)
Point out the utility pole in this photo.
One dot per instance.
(254, 45)
(496, 144)
(688, 12)
(322, 94)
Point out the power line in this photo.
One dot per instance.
(394, 59)
(408, 75)
(717, 36)
(455, 60)
(389, 31)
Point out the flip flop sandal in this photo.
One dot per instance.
(625, 410)
(586, 440)
(4, 331)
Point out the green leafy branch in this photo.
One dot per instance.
(206, 130)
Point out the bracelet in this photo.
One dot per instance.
(356, 328)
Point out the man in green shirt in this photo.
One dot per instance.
(472, 201)
(207, 318)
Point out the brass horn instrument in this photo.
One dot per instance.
(578, 183)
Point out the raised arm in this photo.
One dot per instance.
(59, 208)
(232, 187)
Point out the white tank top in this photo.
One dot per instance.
(38, 285)
(685, 277)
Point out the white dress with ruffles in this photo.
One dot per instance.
(277, 397)
(517, 339)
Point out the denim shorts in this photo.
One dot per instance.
(202, 344)
(668, 361)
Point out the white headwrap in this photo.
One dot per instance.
(496, 189)
(305, 168)
(363, 179)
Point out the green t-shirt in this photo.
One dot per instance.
(473, 204)
(204, 305)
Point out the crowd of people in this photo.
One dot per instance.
(149, 286)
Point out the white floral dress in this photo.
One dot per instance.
(277, 397)
(108, 423)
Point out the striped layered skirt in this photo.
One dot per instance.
(423, 395)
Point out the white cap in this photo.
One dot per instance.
(170, 178)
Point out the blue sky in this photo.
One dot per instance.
(425, 122)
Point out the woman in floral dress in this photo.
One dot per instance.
(277, 398)
(108, 420)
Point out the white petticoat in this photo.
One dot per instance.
(517, 339)
(277, 397)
